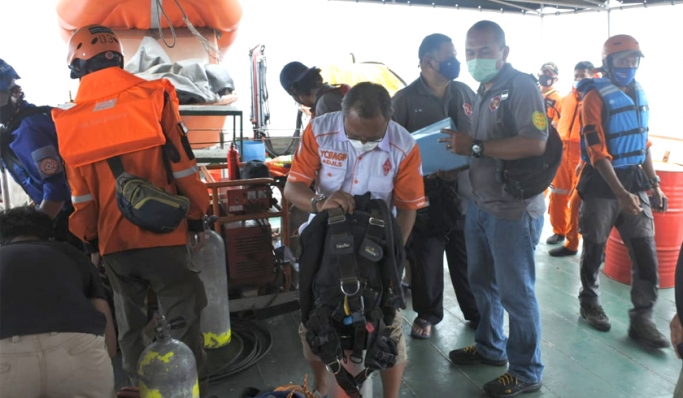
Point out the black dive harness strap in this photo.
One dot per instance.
(353, 272)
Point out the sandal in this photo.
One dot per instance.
(422, 324)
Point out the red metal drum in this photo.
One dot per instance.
(668, 232)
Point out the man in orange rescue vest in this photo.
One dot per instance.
(564, 213)
(120, 115)
(547, 78)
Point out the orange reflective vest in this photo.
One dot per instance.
(569, 126)
(553, 105)
(117, 113)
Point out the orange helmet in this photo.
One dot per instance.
(88, 42)
(619, 43)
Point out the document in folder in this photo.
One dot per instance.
(434, 154)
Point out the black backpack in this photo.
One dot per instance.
(528, 177)
(350, 288)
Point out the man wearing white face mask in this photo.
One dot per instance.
(353, 152)
(508, 123)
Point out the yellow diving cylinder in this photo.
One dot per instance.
(210, 261)
(167, 368)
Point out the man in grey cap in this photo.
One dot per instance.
(307, 88)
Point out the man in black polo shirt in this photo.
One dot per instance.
(56, 335)
(434, 96)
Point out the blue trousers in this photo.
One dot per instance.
(502, 274)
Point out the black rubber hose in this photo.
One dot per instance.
(257, 343)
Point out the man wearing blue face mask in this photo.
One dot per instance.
(508, 123)
(614, 185)
(439, 227)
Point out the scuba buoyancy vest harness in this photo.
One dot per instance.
(625, 122)
(350, 288)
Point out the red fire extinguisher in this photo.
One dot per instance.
(233, 162)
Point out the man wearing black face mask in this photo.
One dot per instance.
(434, 96)
(28, 151)
(547, 77)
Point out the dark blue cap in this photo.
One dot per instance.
(7, 75)
(292, 72)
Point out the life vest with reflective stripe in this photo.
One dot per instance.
(625, 122)
(127, 122)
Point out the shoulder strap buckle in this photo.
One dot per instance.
(336, 216)
(377, 222)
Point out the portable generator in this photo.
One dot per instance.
(249, 253)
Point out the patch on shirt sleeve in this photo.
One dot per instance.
(592, 138)
(468, 109)
(47, 161)
(539, 120)
(48, 166)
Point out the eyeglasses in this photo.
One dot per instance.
(358, 138)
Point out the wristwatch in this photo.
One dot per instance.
(655, 181)
(315, 200)
(477, 148)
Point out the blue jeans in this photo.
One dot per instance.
(502, 274)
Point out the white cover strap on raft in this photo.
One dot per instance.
(155, 14)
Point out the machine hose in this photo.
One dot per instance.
(255, 340)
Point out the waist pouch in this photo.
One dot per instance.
(146, 205)
(444, 210)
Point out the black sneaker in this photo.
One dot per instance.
(470, 356)
(508, 385)
(596, 317)
(555, 239)
(561, 252)
(647, 334)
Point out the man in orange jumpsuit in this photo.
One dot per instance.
(120, 116)
(547, 78)
(564, 215)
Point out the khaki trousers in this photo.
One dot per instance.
(55, 365)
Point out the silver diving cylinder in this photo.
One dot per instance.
(167, 368)
(210, 260)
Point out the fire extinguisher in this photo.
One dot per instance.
(233, 162)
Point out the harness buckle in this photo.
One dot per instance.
(336, 219)
(376, 221)
(351, 281)
(330, 367)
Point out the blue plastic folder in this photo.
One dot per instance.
(434, 154)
